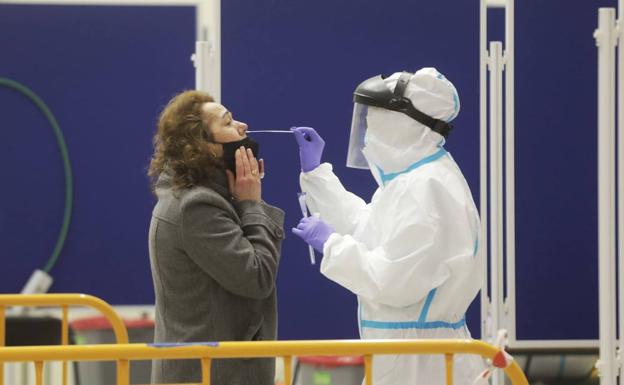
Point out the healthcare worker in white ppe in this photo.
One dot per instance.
(410, 254)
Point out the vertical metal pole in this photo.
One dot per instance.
(499, 198)
(368, 369)
(123, 372)
(65, 341)
(448, 358)
(39, 372)
(207, 56)
(510, 178)
(201, 60)
(495, 62)
(620, 187)
(206, 362)
(483, 181)
(288, 370)
(2, 340)
(605, 39)
(496, 189)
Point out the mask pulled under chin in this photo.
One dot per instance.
(229, 151)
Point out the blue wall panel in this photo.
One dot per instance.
(105, 72)
(556, 169)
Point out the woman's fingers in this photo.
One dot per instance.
(245, 185)
(253, 163)
(246, 165)
(261, 168)
(240, 168)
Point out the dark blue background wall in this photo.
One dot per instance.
(107, 71)
(556, 169)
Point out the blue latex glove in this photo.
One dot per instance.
(310, 147)
(314, 231)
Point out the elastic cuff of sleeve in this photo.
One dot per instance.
(329, 243)
(320, 169)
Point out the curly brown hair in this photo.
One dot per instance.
(183, 142)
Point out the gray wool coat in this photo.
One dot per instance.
(214, 265)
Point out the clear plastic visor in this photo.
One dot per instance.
(355, 157)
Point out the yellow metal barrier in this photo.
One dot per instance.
(64, 301)
(208, 351)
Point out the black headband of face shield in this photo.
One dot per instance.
(373, 92)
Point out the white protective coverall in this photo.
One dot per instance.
(410, 255)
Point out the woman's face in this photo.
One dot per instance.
(224, 128)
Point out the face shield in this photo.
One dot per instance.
(375, 93)
(355, 157)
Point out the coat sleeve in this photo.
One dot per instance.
(243, 258)
(325, 195)
(413, 255)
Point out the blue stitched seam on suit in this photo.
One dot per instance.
(413, 325)
(425, 310)
(431, 158)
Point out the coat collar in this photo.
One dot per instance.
(218, 183)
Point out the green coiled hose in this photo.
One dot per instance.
(66, 164)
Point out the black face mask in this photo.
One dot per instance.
(229, 151)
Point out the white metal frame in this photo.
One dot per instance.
(606, 40)
(483, 195)
(620, 187)
(510, 166)
(498, 310)
(495, 65)
(208, 56)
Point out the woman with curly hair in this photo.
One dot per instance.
(214, 245)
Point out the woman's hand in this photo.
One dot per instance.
(246, 185)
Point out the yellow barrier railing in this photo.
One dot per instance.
(286, 349)
(64, 301)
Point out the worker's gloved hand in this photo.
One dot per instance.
(310, 147)
(314, 231)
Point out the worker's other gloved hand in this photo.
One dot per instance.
(314, 231)
(310, 147)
